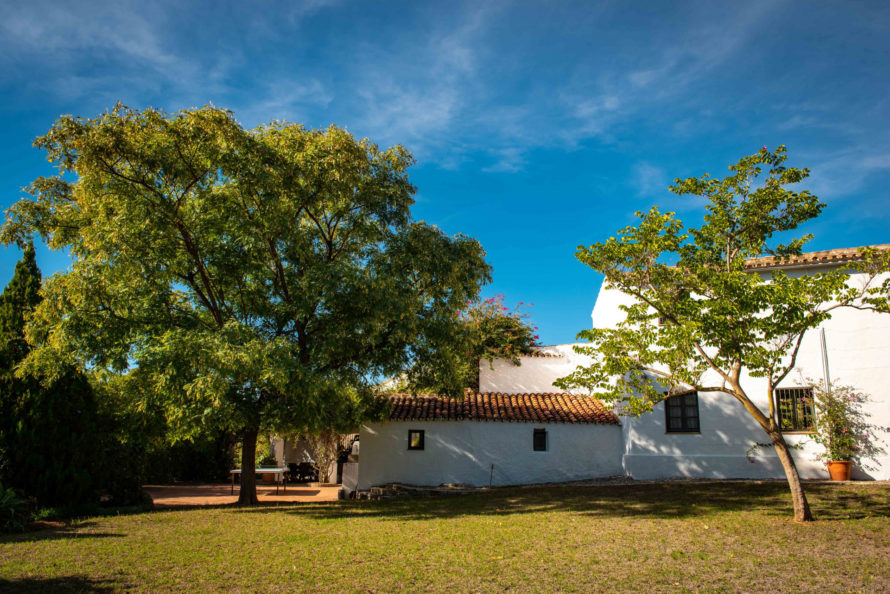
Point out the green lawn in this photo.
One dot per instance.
(676, 536)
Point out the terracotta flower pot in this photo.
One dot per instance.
(839, 470)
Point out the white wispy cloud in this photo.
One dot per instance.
(121, 28)
(839, 174)
(416, 97)
(143, 53)
(508, 160)
(283, 100)
(649, 179)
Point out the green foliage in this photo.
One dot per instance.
(238, 279)
(49, 432)
(698, 317)
(54, 438)
(718, 317)
(497, 332)
(13, 510)
(488, 330)
(842, 426)
(204, 458)
(267, 460)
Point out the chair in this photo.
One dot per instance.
(307, 472)
(293, 473)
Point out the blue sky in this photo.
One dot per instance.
(536, 126)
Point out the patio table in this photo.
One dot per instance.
(278, 472)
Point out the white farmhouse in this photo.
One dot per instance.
(520, 430)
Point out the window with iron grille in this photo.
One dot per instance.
(539, 440)
(681, 413)
(794, 407)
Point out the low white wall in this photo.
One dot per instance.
(464, 452)
(533, 375)
(350, 477)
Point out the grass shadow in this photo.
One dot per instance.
(672, 499)
(56, 532)
(71, 583)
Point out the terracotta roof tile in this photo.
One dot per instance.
(548, 408)
(810, 258)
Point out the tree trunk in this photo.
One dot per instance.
(247, 490)
(798, 497)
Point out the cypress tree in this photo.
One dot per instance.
(48, 433)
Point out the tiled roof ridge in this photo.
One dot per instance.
(835, 256)
(543, 407)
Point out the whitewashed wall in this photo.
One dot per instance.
(533, 375)
(718, 451)
(464, 452)
(858, 345)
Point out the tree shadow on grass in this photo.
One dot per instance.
(673, 499)
(57, 532)
(69, 583)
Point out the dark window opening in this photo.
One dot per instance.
(681, 413)
(539, 440)
(415, 439)
(795, 409)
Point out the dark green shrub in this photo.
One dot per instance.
(267, 460)
(13, 511)
(205, 459)
(52, 441)
(48, 431)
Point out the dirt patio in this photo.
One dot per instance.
(220, 494)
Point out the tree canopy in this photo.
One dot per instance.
(719, 320)
(240, 278)
(488, 330)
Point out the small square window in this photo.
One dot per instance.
(681, 412)
(539, 440)
(415, 439)
(795, 409)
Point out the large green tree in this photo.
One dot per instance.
(720, 322)
(48, 431)
(245, 279)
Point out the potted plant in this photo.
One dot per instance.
(841, 428)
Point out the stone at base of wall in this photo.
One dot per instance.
(394, 490)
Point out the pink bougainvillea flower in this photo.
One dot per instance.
(536, 336)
